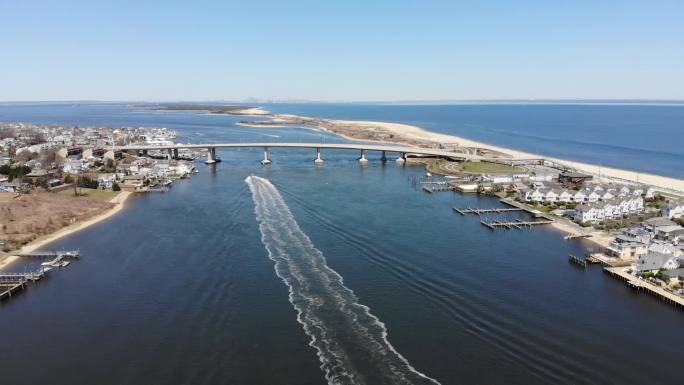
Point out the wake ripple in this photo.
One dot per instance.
(351, 343)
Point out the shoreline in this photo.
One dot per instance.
(399, 133)
(119, 202)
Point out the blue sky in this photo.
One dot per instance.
(346, 50)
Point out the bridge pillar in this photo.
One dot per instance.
(175, 153)
(211, 155)
(144, 153)
(401, 158)
(363, 159)
(266, 161)
(169, 154)
(383, 158)
(318, 156)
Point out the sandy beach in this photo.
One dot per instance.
(412, 135)
(118, 200)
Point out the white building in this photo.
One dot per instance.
(672, 209)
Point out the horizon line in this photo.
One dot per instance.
(400, 101)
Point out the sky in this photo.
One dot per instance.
(341, 50)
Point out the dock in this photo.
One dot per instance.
(576, 236)
(10, 286)
(577, 261)
(479, 212)
(66, 254)
(517, 224)
(645, 286)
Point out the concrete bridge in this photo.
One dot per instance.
(402, 151)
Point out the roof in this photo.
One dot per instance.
(659, 221)
(669, 229)
(674, 273)
(571, 174)
(652, 261)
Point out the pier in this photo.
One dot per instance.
(577, 261)
(517, 224)
(10, 286)
(70, 254)
(645, 286)
(437, 186)
(479, 212)
(576, 236)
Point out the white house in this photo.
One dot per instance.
(551, 196)
(607, 195)
(672, 209)
(74, 166)
(593, 197)
(586, 213)
(580, 197)
(566, 196)
(534, 195)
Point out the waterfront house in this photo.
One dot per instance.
(654, 261)
(105, 181)
(674, 274)
(650, 193)
(652, 224)
(672, 233)
(534, 195)
(586, 213)
(638, 233)
(626, 247)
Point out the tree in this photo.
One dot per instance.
(116, 187)
(68, 178)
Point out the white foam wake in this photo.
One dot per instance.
(351, 343)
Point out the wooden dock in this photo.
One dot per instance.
(517, 224)
(645, 286)
(431, 188)
(480, 211)
(577, 261)
(64, 254)
(9, 287)
(576, 236)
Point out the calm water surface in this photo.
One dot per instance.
(179, 288)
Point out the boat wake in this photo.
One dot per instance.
(351, 343)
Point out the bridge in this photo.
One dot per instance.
(402, 151)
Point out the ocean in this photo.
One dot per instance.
(297, 274)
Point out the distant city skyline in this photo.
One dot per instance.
(351, 52)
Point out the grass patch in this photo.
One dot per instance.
(488, 168)
(94, 194)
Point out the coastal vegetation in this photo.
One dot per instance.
(14, 171)
(94, 194)
(26, 217)
(211, 108)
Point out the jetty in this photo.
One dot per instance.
(479, 212)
